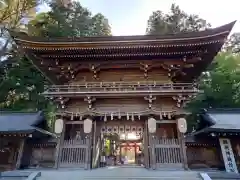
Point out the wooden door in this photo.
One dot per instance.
(75, 150)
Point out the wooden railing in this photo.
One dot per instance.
(167, 152)
(124, 87)
(165, 141)
(74, 142)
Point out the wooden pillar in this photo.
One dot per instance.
(94, 146)
(184, 151)
(182, 148)
(88, 129)
(20, 153)
(88, 151)
(58, 152)
(152, 145)
(146, 146)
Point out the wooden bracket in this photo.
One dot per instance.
(94, 69)
(181, 100)
(145, 67)
(90, 101)
(150, 100)
(61, 102)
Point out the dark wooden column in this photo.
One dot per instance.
(152, 151)
(59, 145)
(184, 151)
(94, 145)
(20, 153)
(146, 146)
(182, 148)
(88, 151)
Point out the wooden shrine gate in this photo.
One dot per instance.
(75, 153)
(166, 153)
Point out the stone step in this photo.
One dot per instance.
(131, 178)
(115, 173)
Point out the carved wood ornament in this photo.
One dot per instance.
(181, 100)
(145, 68)
(61, 102)
(150, 100)
(90, 101)
(94, 69)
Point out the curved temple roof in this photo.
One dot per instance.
(220, 120)
(209, 34)
(195, 49)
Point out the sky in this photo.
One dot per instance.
(129, 17)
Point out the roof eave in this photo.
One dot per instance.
(174, 38)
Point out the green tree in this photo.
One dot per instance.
(12, 13)
(73, 21)
(174, 22)
(220, 85)
(21, 88)
(21, 84)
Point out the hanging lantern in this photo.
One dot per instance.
(182, 125)
(87, 125)
(132, 117)
(111, 116)
(152, 125)
(58, 126)
(105, 118)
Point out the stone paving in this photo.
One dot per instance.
(112, 173)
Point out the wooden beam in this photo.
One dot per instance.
(166, 122)
(74, 122)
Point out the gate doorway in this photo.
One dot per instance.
(122, 144)
(131, 153)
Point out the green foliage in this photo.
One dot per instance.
(21, 88)
(220, 85)
(21, 83)
(74, 21)
(174, 22)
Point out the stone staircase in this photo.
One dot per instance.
(118, 173)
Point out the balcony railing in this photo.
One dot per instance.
(121, 87)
